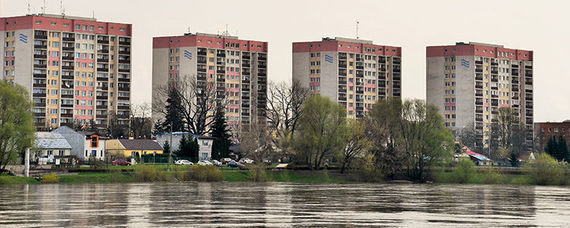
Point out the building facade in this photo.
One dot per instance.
(77, 70)
(469, 82)
(84, 145)
(355, 73)
(236, 69)
(547, 130)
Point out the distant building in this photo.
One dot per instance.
(469, 82)
(548, 130)
(355, 73)
(132, 147)
(205, 144)
(85, 145)
(162, 138)
(235, 68)
(76, 69)
(49, 146)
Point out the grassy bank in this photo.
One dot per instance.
(7, 179)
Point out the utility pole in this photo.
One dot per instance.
(27, 163)
(170, 151)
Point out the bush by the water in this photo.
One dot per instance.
(50, 178)
(149, 173)
(464, 172)
(257, 173)
(204, 173)
(492, 176)
(545, 170)
(369, 172)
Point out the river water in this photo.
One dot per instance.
(282, 204)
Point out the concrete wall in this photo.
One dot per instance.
(434, 82)
(159, 74)
(465, 92)
(329, 76)
(301, 64)
(24, 59)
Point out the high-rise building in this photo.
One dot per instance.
(469, 82)
(545, 131)
(356, 73)
(77, 70)
(236, 69)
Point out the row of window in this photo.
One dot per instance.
(82, 27)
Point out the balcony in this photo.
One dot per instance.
(69, 77)
(479, 70)
(124, 52)
(104, 41)
(124, 61)
(201, 53)
(123, 107)
(101, 107)
(40, 65)
(66, 115)
(40, 36)
(102, 69)
(102, 60)
(40, 46)
(39, 56)
(69, 39)
(68, 48)
(70, 58)
(67, 67)
(125, 70)
(39, 85)
(104, 51)
(124, 88)
(124, 43)
(39, 104)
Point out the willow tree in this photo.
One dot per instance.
(16, 123)
(321, 133)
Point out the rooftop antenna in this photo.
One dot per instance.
(61, 8)
(29, 8)
(357, 29)
(93, 14)
(226, 33)
(44, 8)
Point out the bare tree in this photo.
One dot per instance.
(140, 121)
(255, 142)
(284, 108)
(198, 101)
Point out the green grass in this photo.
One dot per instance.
(7, 179)
(112, 177)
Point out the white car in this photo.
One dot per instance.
(183, 162)
(204, 163)
(246, 161)
(216, 163)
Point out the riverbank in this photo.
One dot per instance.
(148, 173)
(227, 175)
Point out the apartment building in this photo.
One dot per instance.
(469, 82)
(548, 130)
(235, 68)
(77, 70)
(356, 73)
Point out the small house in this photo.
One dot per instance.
(132, 147)
(85, 145)
(205, 144)
(51, 147)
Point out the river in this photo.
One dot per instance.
(282, 204)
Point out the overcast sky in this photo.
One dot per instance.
(535, 25)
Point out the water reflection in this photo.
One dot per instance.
(277, 204)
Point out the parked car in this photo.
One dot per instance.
(121, 163)
(183, 162)
(216, 163)
(204, 163)
(245, 161)
(226, 160)
(233, 164)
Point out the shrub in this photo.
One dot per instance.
(149, 173)
(204, 173)
(257, 173)
(545, 170)
(493, 176)
(464, 172)
(50, 178)
(369, 172)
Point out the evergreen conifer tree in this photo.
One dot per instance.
(221, 146)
